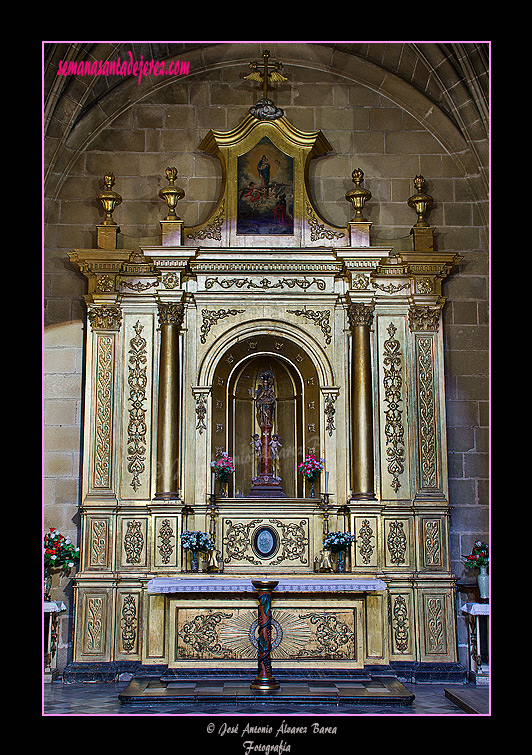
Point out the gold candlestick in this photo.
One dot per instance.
(185, 512)
(325, 506)
(345, 511)
(212, 561)
(324, 563)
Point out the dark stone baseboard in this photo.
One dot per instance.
(412, 672)
(429, 673)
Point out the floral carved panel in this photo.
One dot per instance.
(231, 633)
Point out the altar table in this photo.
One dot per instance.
(478, 671)
(286, 584)
(51, 610)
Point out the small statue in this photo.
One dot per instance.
(275, 446)
(325, 564)
(256, 443)
(265, 400)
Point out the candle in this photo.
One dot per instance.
(326, 481)
(212, 483)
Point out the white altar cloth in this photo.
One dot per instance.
(216, 583)
(476, 609)
(54, 606)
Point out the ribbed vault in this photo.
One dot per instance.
(443, 85)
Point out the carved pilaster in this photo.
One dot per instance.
(424, 323)
(105, 322)
(393, 396)
(360, 317)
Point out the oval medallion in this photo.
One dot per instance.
(265, 542)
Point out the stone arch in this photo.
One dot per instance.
(284, 345)
(247, 330)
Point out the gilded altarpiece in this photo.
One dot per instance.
(178, 336)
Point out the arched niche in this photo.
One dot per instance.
(297, 421)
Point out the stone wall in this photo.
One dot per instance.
(367, 130)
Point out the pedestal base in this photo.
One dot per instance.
(266, 486)
(385, 690)
(264, 684)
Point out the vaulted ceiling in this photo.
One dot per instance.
(449, 77)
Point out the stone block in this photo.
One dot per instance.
(460, 439)
(67, 490)
(476, 465)
(59, 438)
(462, 413)
(58, 464)
(412, 143)
(60, 412)
(61, 360)
(62, 386)
(385, 119)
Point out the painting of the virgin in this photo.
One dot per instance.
(265, 191)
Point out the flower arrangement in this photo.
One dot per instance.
(59, 552)
(223, 467)
(196, 541)
(311, 467)
(338, 541)
(479, 556)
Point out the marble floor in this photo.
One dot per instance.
(102, 699)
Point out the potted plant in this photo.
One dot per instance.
(479, 558)
(338, 542)
(59, 554)
(223, 468)
(310, 468)
(196, 542)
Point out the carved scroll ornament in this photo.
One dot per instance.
(395, 450)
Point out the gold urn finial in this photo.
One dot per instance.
(358, 196)
(420, 202)
(171, 194)
(109, 199)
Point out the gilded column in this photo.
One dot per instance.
(362, 463)
(170, 319)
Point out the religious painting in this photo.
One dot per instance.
(265, 191)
